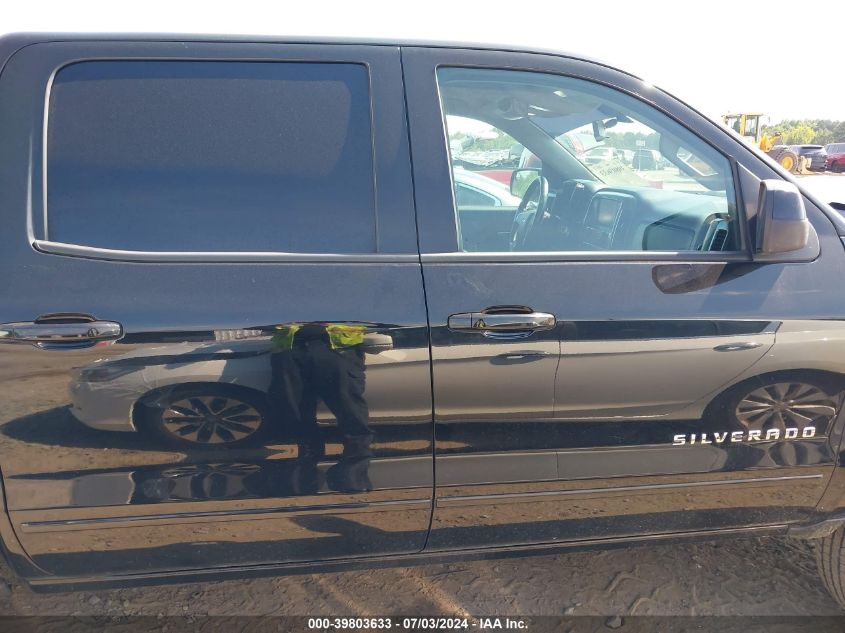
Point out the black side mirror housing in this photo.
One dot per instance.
(782, 224)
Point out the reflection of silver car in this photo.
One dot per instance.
(227, 381)
(598, 155)
(473, 189)
(646, 376)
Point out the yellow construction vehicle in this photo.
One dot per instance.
(750, 127)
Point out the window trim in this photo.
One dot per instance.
(96, 252)
(584, 256)
(47, 244)
(543, 64)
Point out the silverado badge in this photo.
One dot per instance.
(725, 437)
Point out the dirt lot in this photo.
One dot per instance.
(769, 576)
(827, 186)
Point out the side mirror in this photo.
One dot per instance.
(782, 224)
(521, 179)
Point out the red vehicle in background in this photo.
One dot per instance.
(500, 175)
(835, 157)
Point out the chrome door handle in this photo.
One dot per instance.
(736, 347)
(523, 355)
(503, 320)
(61, 331)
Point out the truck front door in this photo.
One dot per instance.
(680, 400)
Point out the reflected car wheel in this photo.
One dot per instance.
(780, 401)
(210, 417)
(781, 405)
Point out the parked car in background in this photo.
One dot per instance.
(835, 161)
(476, 189)
(815, 153)
(602, 154)
(647, 159)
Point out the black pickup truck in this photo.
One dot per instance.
(246, 328)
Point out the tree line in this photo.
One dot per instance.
(802, 131)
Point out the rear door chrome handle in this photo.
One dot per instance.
(61, 332)
(737, 347)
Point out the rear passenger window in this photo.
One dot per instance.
(211, 156)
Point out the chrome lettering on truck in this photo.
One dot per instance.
(726, 437)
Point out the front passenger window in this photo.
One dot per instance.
(550, 163)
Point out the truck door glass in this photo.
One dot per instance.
(599, 150)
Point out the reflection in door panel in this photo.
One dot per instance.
(639, 437)
(204, 443)
(652, 368)
(105, 393)
(475, 376)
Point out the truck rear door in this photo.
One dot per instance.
(214, 344)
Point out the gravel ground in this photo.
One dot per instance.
(766, 576)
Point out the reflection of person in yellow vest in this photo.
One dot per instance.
(323, 361)
(340, 335)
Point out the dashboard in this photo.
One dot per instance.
(591, 216)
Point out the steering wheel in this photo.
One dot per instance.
(529, 213)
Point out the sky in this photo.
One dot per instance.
(716, 55)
